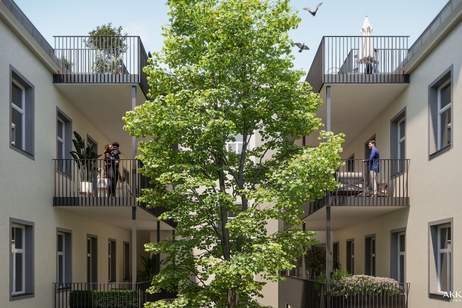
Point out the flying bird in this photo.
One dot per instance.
(302, 46)
(313, 11)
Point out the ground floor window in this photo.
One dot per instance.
(21, 258)
(63, 257)
(441, 264)
(126, 261)
(350, 256)
(112, 260)
(370, 255)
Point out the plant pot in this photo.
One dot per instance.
(86, 188)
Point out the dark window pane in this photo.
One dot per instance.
(444, 238)
(401, 267)
(17, 96)
(60, 242)
(61, 269)
(17, 128)
(18, 239)
(402, 129)
(402, 243)
(19, 272)
(445, 128)
(60, 128)
(443, 272)
(445, 95)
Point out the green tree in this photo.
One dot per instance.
(109, 43)
(226, 70)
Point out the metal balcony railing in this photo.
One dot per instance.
(105, 295)
(357, 186)
(96, 182)
(317, 295)
(100, 60)
(359, 59)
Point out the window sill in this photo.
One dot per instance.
(25, 153)
(21, 296)
(440, 152)
(439, 296)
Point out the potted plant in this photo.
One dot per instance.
(85, 157)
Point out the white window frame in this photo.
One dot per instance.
(23, 112)
(237, 144)
(400, 254)
(399, 138)
(21, 251)
(63, 138)
(447, 251)
(442, 110)
(63, 254)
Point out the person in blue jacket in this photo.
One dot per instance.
(373, 166)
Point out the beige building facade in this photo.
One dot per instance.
(407, 99)
(55, 232)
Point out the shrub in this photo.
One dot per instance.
(365, 285)
(103, 299)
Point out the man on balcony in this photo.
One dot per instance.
(373, 166)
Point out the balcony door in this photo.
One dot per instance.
(92, 259)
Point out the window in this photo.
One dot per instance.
(336, 255)
(21, 115)
(370, 255)
(92, 143)
(441, 258)
(63, 258)
(126, 254)
(236, 145)
(21, 259)
(112, 260)
(398, 256)
(63, 141)
(350, 261)
(440, 101)
(398, 142)
(92, 259)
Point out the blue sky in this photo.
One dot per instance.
(146, 17)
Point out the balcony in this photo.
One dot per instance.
(359, 60)
(100, 60)
(105, 295)
(355, 200)
(88, 183)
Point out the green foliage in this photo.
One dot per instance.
(344, 284)
(150, 267)
(365, 285)
(109, 43)
(85, 157)
(226, 69)
(103, 299)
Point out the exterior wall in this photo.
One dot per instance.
(434, 184)
(26, 185)
(381, 227)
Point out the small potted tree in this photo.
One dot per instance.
(85, 157)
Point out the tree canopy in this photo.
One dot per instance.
(226, 73)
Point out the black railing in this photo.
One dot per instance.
(105, 295)
(359, 59)
(298, 292)
(100, 59)
(358, 186)
(96, 182)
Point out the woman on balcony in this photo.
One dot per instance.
(111, 161)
